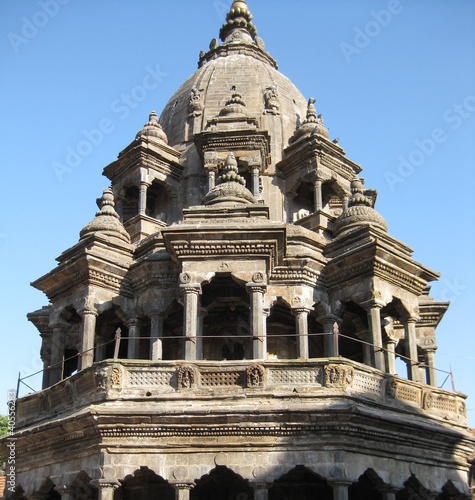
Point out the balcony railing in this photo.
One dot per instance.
(129, 380)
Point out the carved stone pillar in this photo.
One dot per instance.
(134, 338)
(106, 488)
(256, 290)
(57, 354)
(87, 334)
(261, 491)
(391, 356)
(345, 202)
(211, 178)
(317, 186)
(375, 337)
(411, 349)
(301, 327)
(255, 181)
(330, 341)
(66, 492)
(431, 374)
(340, 489)
(182, 491)
(143, 197)
(100, 348)
(156, 334)
(388, 493)
(190, 293)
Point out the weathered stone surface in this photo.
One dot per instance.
(234, 312)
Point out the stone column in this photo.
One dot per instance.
(256, 290)
(345, 202)
(340, 489)
(391, 356)
(255, 181)
(143, 197)
(156, 334)
(119, 207)
(57, 354)
(301, 327)
(411, 349)
(261, 491)
(134, 338)
(330, 342)
(388, 493)
(211, 179)
(182, 491)
(431, 374)
(317, 186)
(66, 492)
(375, 337)
(106, 488)
(190, 293)
(100, 348)
(87, 334)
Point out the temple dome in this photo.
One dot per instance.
(359, 212)
(240, 62)
(106, 221)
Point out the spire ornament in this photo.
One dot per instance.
(359, 213)
(239, 27)
(106, 221)
(230, 187)
(312, 124)
(152, 129)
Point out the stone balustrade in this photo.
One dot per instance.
(136, 380)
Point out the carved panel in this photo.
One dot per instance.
(85, 384)
(116, 377)
(293, 376)
(186, 377)
(255, 376)
(150, 378)
(213, 379)
(407, 393)
(338, 376)
(368, 383)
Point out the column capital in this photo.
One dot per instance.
(105, 484)
(132, 322)
(328, 319)
(190, 289)
(374, 303)
(300, 310)
(88, 310)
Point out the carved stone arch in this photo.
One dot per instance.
(19, 493)
(48, 490)
(145, 484)
(300, 482)
(82, 488)
(221, 482)
(413, 490)
(368, 487)
(450, 492)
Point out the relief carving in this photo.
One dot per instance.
(116, 377)
(255, 376)
(186, 377)
(338, 376)
(271, 100)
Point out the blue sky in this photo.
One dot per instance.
(395, 81)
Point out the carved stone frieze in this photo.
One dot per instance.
(338, 376)
(186, 378)
(255, 376)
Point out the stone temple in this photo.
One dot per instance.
(227, 326)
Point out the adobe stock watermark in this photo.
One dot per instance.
(379, 20)
(121, 109)
(426, 147)
(10, 468)
(452, 289)
(222, 8)
(32, 26)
